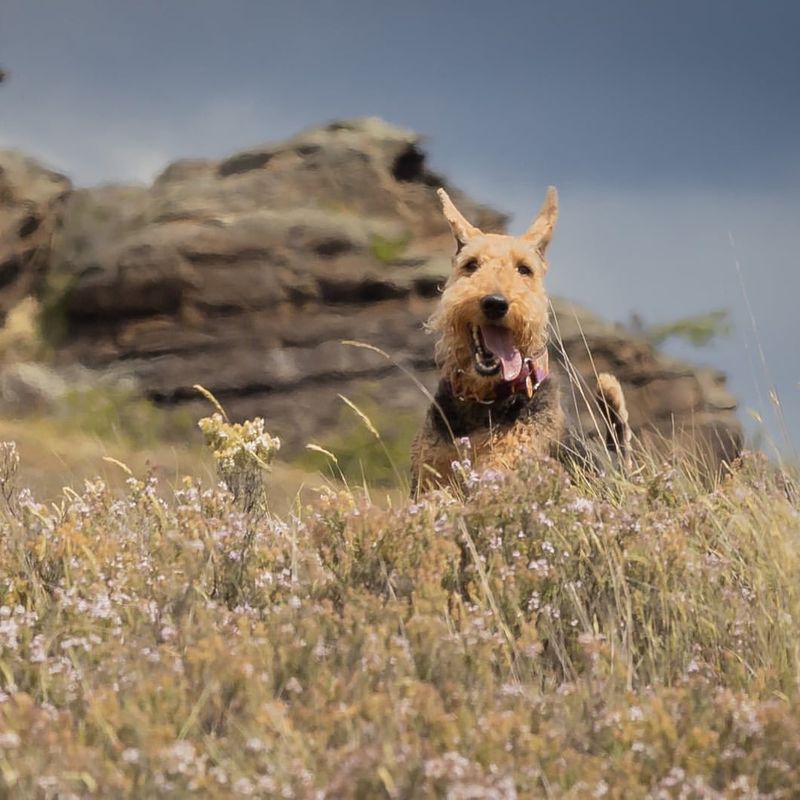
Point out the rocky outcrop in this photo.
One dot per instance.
(668, 399)
(248, 274)
(31, 201)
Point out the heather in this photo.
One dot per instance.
(532, 634)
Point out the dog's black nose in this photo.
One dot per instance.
(494, 306)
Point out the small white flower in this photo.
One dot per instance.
(168, 632)
(581, 504)
(255, 745)
(9, 740)
(294, 686)
(243, 786)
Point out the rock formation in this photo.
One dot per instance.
(31, 202)
(246, 275)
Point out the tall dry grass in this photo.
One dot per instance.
(530, 636)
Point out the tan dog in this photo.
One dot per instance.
(496, 396)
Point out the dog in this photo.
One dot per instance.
(497, 396)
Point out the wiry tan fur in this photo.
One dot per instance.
(499, 259)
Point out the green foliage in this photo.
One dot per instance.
(386, 250)
(118, 412)
(535, 638)
(52, 321)
(377, 449)
(698, 330)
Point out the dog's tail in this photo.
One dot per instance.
(614, 411)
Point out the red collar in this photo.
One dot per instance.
(534, 370)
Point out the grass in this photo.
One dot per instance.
(94, 429)
(527, 637)
(369, 445)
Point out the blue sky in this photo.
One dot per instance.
(672, 129)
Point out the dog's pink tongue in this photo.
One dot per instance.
(501, 343)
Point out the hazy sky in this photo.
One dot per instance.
(671, 128)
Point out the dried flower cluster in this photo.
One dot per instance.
(242, 452)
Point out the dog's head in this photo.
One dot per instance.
(494, 311)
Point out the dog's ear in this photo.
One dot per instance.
(462, 229)
(541, 229)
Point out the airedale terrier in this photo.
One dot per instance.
(496, 388)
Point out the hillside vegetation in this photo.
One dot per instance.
(527, 636)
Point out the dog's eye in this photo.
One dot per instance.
(470, 266)
(525, 270)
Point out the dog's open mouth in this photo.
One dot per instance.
(494, 350)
